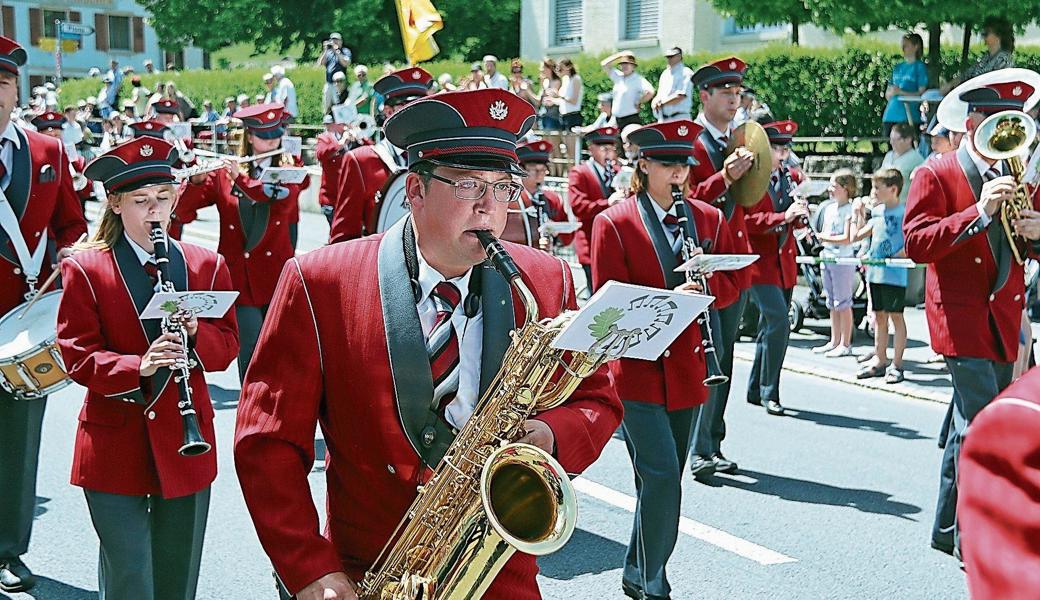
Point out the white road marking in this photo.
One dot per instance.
(706, 533)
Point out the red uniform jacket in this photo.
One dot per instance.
(363, 174)
(254, 230)
(974, 289)
(707, 183)
(772, 238)
(998, 492)
(329, 152)
(370, 393)
(40, 192)
(628, 241)
(588, 197)
(129, 430)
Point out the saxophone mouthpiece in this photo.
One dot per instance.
(503, 262)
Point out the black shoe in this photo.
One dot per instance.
(773, 407)
(701, 467)
(631, 590)
(754, 402)
(15, 576)
(723, 464)
(943, 547)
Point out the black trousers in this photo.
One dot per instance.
(774, 332)
(250, 320)
(21, 423)
(976, 382)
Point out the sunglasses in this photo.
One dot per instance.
(518, 70)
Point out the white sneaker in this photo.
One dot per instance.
(824, 348)
(838, 352)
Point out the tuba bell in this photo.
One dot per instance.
(1007, 136)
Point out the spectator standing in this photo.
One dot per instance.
(839, 281)
(519, 84)
(269, 84)
(631, 90)
(476, 79)
(104, 97)
(139, 96)
(887, 284)
(208, 115)
(572, 92)
(548, 109)
(185, 109)
(285, 91)
(902, 156)
(674, 99)
(361, 91)
(335, 58)
(342, 95)
(50, 97)
(999, 37)
(492, 78)
(117, 82)
(909, 78)
(242, 101)
(149, 67)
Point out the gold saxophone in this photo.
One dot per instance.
(490, 496)
(1006, 136)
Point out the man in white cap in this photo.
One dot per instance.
(335, 59)
(361, 91)
(284, 91)
(674, 99)
(492, 78)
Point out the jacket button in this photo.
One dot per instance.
(992, 297)
(978, 260)
(231, 226)
(1018, 297)
(391, 469)
(740, 234)
(696, 349)
(37, 234)
(429, 435)
(246, 255)
(151, 415)
(128, 399)
(277, 222)
(667, 353)
(268, 253)
(17, 271)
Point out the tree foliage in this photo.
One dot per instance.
(472, 28)
(766, 12)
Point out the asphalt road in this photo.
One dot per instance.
(833, 501)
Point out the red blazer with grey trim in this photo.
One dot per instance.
(128, 435)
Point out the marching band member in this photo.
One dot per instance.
(660, 397)
(159, 130)
(148, 503)
(996, 507)
(534, 159)
(771, 225)
(589, 185)
(351, 320)
(51, 124)
(329, 149)
(41, 207)
(719, 85)
(254, 220)
(367, 168)
(974, 292)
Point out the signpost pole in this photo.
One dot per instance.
(57, 52)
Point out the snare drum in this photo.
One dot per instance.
(30, 363)
(391, 205)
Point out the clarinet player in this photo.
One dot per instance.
(148, 495)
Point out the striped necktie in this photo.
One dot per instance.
(3, 165)
(442, 345)
(671, 225)
(992, 173)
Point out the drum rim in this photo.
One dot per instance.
(13, 315)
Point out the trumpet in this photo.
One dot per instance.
(1006, 136)
(79, 181)
(687, 229)
(218, 163)
(193, 444)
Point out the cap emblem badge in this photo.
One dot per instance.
(788, 127)
(416, 75)
(732, 65)
(683, 130)
(1017, 91)
(147, 151)
(498, 110)
(270, 115)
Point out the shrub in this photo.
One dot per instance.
(828, 91)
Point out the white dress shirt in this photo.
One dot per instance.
(7, 155)
(660, 212)
(628, 89)
(715, 132)
(676, 79)
(497, 80)
(470, 333)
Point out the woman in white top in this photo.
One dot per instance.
(548, 108)
(572, 91)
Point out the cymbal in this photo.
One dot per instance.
(749, 189)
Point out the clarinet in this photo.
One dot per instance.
(687, 230)
(810, 234)
(194, 444)
(541, 208)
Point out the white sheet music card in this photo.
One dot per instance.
(344, 113)
(811, 188)
(180, 129)
(204, 304)
(648, 318)
(709, 263)
(293, 144)
(283, 175)
(559, 227)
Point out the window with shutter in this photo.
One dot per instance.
(8, 16)
(568, 22)
(642, 19)
(138, 24)
(101, 32)
(35, 26)
(119, 33)
(50, 30)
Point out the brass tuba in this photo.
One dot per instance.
(1007, 136)
(490, 496)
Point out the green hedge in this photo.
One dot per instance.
(832, 92)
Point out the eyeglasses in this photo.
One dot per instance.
(518, 70)
(474, 189)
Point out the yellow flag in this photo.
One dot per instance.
(419, 21)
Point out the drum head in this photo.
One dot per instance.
(392, 205)
(35, 329)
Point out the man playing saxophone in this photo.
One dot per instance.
(974, 294)
(387, 342)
